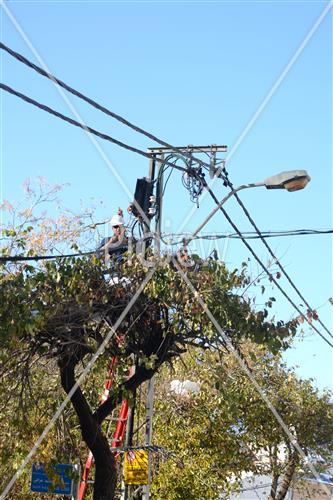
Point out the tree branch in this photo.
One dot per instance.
(141, 375)
(79, 402)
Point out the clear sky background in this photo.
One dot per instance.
(191, 73)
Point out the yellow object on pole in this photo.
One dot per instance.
(136, 467)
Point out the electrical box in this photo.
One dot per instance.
(143, 196)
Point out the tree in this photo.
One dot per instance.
(227, 429)
(63, 310)
(22, 420)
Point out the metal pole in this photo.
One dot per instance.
(222, 202)
(157, 244)
(129, 441)
(157, 249)
(149, 433)
(130, 422)
(129, 432)
(159, 196)
(76, 485)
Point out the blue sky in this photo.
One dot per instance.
(191, 73)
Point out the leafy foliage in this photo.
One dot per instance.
(62, 311)
(226, 429)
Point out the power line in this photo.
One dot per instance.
(239, 201)
(209, 237)
(98, 106)
(284, 293)
(84, 127)
(249, 235)
(25, 61)
(143, 153)
(73, 122)
(22, 258)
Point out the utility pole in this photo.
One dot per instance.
(129, 435)
(130, 424)
(149, 433)
(150, 388)
(160, 155)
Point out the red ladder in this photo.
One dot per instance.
(118, 436)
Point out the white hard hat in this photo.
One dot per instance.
(116, 220)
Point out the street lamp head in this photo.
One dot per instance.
(293, 180)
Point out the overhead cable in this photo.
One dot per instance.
(264, 267)
(22, 258)
(25, 61)
(210, 237)
(143, 153)
(90, 130)
(72, 121)
(248, 235)
(98, 106)
(276, 260)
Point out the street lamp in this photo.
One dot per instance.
(292, 180)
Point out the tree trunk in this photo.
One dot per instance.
(90, 424)
(105, 463)
(105, 470)
(274, 487)
(287, 478)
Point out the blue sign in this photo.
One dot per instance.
(41, 483)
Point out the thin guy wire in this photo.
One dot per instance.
(248, 235)
(239, 201)
(265, 268)
(20, 258)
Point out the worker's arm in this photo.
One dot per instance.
(116, 242)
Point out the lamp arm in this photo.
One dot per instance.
(226, 198)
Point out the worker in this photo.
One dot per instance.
(116, 244)
(186, 262)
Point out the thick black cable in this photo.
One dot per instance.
(74, 122)
(25, 61)
(166, 182)
(19, 258)
(246, 235)
(98, 106)
(130, 148)
(284, 293)
(239, 201)
(85, 127)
